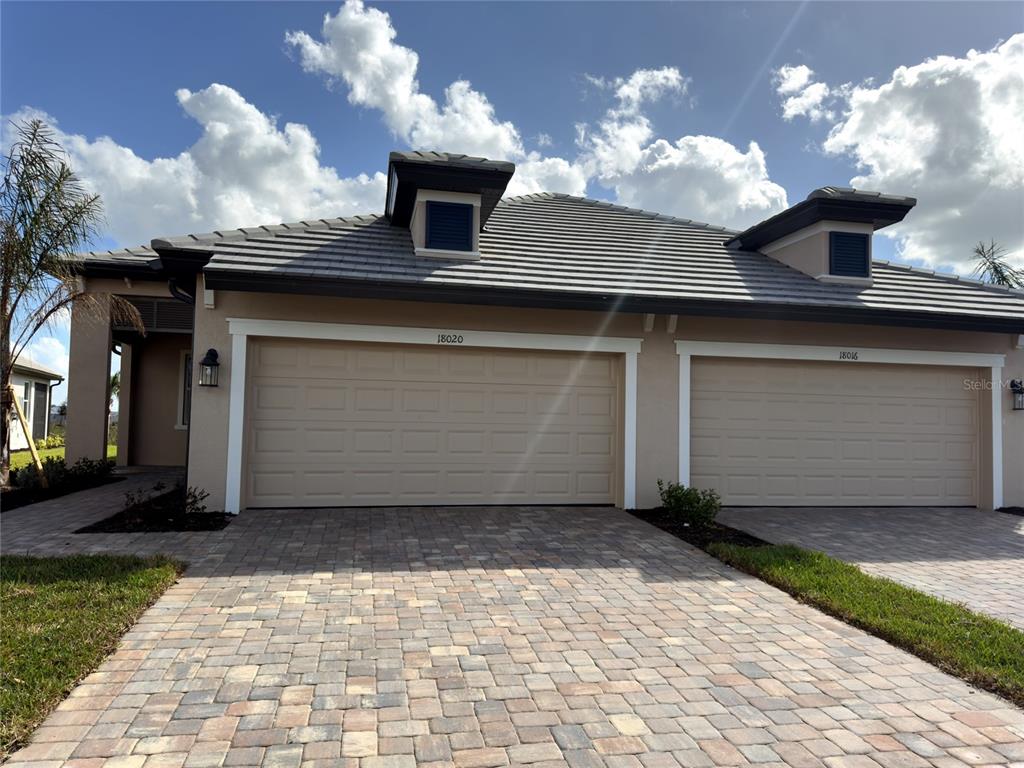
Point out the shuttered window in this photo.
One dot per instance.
(449, 226)
(848, 255)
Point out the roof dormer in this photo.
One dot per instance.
(444, 200)
(828, 235)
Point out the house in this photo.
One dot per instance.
(33, 386)
(469, 348)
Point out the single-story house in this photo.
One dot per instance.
(33, 386)
(469, 348)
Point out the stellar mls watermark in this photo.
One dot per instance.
(987, 385)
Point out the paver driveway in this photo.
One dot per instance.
(486, 637)
(969, 556)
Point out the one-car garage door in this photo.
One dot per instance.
(343, 424)
(809, 433)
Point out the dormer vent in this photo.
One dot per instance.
(828, 235)
(849, 254)
(444, 199)
(449, 226)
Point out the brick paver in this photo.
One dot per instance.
(969, 556)
(492, 637)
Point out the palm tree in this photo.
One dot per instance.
(992, 266)
(45, 215)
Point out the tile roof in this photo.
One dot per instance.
(573, 246)
(450, 160)
(25, 364)
(549, 242)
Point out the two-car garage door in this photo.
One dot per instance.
(768, 432)
(350, 424)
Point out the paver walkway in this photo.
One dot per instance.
(969, 556)
(489, 637)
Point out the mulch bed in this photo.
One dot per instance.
(700, 537)
(22, 497)
(1012, 510)
(161, 513)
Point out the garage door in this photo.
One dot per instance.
(336, 424)
(799, 433)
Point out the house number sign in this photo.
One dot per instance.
(449, 338)
(845, 354)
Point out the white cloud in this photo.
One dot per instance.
(948, 132)
(802, 95)
(358, 48)
(49, 352)
(243, 170)
(698, 177)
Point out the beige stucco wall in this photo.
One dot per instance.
(657, 380)
(1013, 431)
(155, 436)
(88, 380)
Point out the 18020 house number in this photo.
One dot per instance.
(449, 338)
(848, 355)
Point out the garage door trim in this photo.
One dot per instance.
(852, 355)
(242, 328)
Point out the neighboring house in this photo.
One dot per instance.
(465, 348)
(33, 386)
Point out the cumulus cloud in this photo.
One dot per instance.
(948, 132)
(699, 177)
(243, 170)
(49, 351)
(802, 96)
(357, 48)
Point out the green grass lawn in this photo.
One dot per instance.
(979, 649)
(61, 617)
(24, 458)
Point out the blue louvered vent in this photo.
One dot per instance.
(848, 255)
(449, 226)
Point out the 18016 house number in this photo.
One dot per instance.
(848, 355)
(449, 338)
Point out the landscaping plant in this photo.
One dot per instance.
(45, 216)
(697, 506)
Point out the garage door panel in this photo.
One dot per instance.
(410, 425)
(781, 432)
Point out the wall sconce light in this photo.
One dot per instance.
(1017, 388)
(208, 369)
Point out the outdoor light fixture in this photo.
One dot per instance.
(1017, 388)
(208, 368)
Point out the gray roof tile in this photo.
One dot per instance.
(570, 245)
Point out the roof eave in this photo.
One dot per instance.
(879, 212)
(544, 299)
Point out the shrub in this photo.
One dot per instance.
(696, 506)
(54, 470)
(194, 498)
(50, 441)
(84, 473)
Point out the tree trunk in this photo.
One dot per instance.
(6, 405)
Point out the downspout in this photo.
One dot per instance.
(49, 404)
(180, 295)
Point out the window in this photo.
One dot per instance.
(26, 401)
(849, 254)
(449, 226)
(184, 391)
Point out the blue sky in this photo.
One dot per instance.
(544, 70)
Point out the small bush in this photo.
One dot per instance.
(696, 506)
(50, 441)
(84, 473)
(194, 498)
(54, 470)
